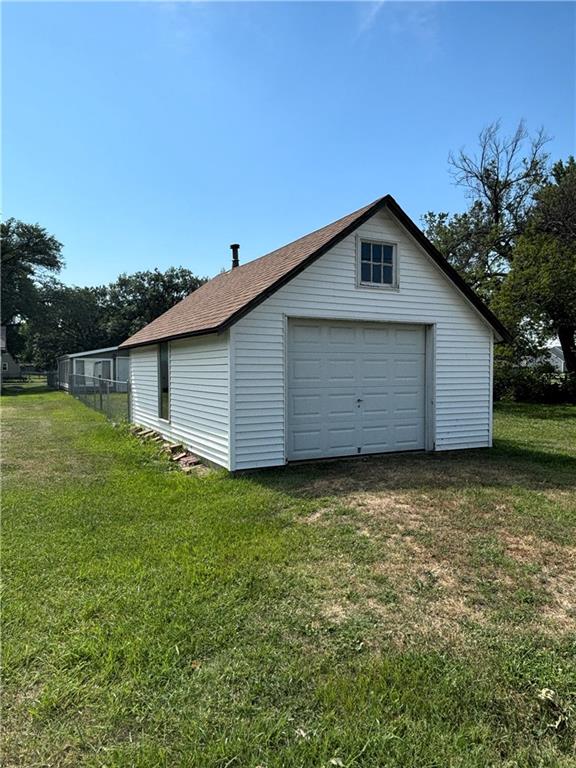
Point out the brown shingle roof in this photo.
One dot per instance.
(221, 301)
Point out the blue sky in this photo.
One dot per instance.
(148, 135)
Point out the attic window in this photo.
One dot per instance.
(377, 263)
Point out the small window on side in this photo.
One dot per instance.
(164, 381)
(4, 366)
(377, 263)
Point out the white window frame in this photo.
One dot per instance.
(395, 284)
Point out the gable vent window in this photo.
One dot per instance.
(164, 381)
(377, 263)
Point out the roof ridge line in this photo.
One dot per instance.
(308, 234)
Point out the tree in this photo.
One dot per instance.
(135, 300)
(29, 256)
(541, 285)
(501, 179)
(67, 319)
(466, 239)
(555, 212)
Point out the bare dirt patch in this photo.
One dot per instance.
(556, 574)
(435, 573)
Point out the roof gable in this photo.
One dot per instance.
(222, 301)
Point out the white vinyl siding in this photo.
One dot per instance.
(199, 394)
(461, 400)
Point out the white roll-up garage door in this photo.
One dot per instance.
(354, 388)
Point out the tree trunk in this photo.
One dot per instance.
(567, 337)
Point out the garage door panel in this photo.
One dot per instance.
(354, 388)
(376, 336)
(322, 407)
(306, 441)
(306, 335)
(409, 339)
(408, 436)
(306, 371)
(374, 369)
(343, 437)
(408, 371)
(306, 405)
(403, 402)
(376, 404)
(341, 370)
(376, 439)
(341, 404)
(341, 334)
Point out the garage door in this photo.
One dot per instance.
(354, 388)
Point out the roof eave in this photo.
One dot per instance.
(173, 337)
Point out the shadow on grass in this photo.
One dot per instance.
(508, 464)
(13, 390)
(536, 410)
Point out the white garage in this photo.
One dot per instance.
(358, 338)
(355, 388)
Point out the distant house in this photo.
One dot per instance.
(551, 356)
(78, 370)
(10, 366)
(358, 338)
(556, 358)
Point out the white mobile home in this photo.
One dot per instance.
(359, 338)
(78, 369)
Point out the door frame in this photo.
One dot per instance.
(429, 327)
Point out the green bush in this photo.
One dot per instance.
(532, 383)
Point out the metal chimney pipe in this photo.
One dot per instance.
(235, 260)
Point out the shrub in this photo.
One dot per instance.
(532, 384)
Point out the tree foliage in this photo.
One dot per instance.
(541, 285)
(28, 256)
(501, 180)
(72, 319)
(67, 319)
(466, 239)
(132, 301)
(46, 319)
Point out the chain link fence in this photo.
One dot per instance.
(110, 397)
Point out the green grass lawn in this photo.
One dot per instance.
(394, 611)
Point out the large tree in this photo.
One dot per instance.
(28, 256)
(67, 319)
(541, 285)
(135, 300)
(501, 180)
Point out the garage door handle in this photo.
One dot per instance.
(359, 400)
